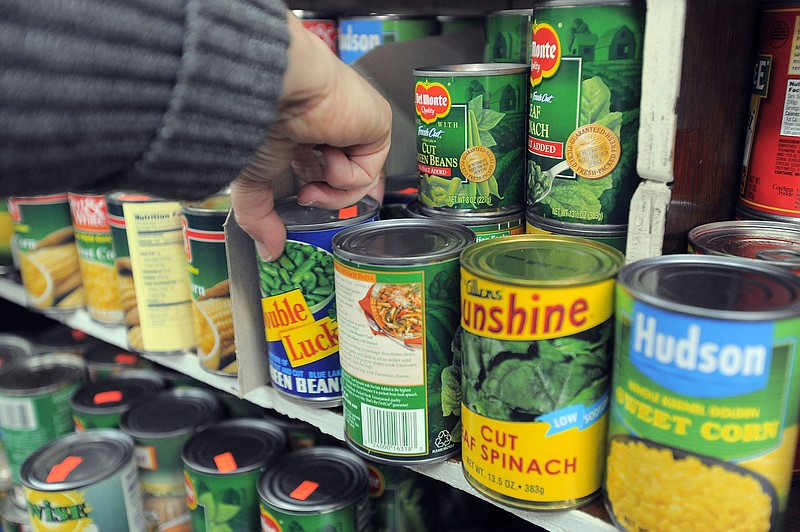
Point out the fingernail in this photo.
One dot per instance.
(263, 252)
(311, 203)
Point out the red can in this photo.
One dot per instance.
(771, 172)
(322, 25)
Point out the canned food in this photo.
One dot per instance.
(400, 191)
(471, 137)
(14, 517)
(315, 489)
(401, 499)
(536, 341)
(13, 346)
(770, 170)
(48, 258)
(34, 403)
(323, 25)
(614, 236)
(586, 71)
(742, 212)
(6, 235)
(107, 360)
(159, 427)
(206, 255)
(85, 481)
(360, 34)
(484, 227)
(299, 303)
(96, 257)
(397, 302)
(221, 466)
(153, 281)
(60, 338)
(101, 403)
(508, 36)
(704, 389)
(774, 243)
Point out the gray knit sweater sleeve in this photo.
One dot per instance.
(170, 97)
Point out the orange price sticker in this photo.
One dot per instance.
(348, 212)
(225, 462)
(60, 472)
(304, 490)
(111, 396)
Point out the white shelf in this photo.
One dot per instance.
(329, 421)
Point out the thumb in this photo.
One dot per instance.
(253, 205)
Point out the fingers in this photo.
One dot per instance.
(254, 210)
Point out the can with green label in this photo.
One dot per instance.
(397, 301)
(84, 481)
(323, 488)
(206, 258)
(401, 499)
(614, 236)
(583, 119)
(101, 403)
(470, 122)
(508, 36)
(221, 466)
(108, 360)
(484, 227)
(48, 258)
(34, 402)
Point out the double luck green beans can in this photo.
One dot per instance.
(470, 122)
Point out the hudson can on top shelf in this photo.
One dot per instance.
(299, 303)
(84, 481)
(48, 258)
(397, 302)
(705, 394)
(153, 281)
(322, 488)
(359, 34)
(771, 166)
(537, 326)
(221, 466)
(471, 137)
(585, 86)
(209, 281)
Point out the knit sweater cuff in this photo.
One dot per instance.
(226, 94)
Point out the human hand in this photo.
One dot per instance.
(333, 129)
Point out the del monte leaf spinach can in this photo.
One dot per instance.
(535, 349)
(705, 386)
(397, 301)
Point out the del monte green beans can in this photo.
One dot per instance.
(397, 302)
(585, 86)
(536, 341)
(297, 298)
(470, 122)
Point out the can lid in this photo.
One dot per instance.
(77, 460)
(104, 353)
(171, 413)
(314, 480)
(542, 260)
(471, 69)
(212, 205)
(514, 12)
(402, 242)
(308, 218)
(38, 374)
(715, 287)
(13, 346)
(59, 337)
(773, 242)
(116, 394)
(234, 446)
(575, 229)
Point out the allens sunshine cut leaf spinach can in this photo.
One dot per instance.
(397, 302)
(705, 394)
(535, 350)
(471, 137)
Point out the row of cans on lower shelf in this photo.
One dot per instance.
(146, 457)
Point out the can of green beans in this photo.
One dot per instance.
(324, 488)
(615, 236)
(484, 227)
(398, 307)
(297, 299)
(221, 466)
(206, 258)
(470, 122)
(101, 403)
(508, 36)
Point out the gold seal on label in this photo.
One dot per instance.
(592, 151)
(477, 163)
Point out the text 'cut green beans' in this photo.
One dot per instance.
(301, 267)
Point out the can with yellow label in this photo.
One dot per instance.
(535, 346)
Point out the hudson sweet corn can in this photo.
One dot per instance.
(705, 394)
(359, 34)
(470, 122)
(397, 302)
(583, 123)
(535, 348)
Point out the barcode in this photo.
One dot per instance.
(397, 431)
(18, 415)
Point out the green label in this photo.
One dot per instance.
(395, 331)
(204, 242)
(38, 217)
(470, 141)
(83, 421)
(508, 38)
(276, 521)
(223, 503)
(584, 112)
(6, 232)
(30, 422)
